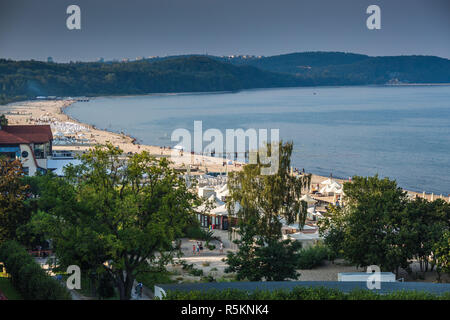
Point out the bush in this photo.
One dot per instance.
(313, 257)
(196, 272)
(301, 293)
(191, 269)
(28, 277)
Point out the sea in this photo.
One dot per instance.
(400, 132)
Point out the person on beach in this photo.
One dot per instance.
(221, 247)
(198, 248)
(193, 249)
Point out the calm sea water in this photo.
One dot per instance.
(399, 132)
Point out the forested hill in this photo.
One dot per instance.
(21, 80)
(28, 79)
(348, 68)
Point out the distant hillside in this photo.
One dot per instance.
(28, 79)
(21, 80)
(337, 68)
(300, 62)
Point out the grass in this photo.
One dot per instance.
(7, 288)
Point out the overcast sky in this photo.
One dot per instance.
(36, 29)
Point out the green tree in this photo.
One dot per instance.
(441, 254)
(266, 198)
(116, 213)
(13, 193)
(366, 230)
(422, 225)
(261, 201)
(332, 229)
(274, 260)
(3, 120)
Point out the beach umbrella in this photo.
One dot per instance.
(331, 188)
(308, 199)
(178, 147)
(330, 181)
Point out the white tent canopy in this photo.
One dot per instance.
(308, 199)
(330, 181)
(331, 188)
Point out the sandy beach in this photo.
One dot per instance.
(52, 112)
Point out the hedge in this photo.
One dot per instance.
(301, 293)
(28, 277)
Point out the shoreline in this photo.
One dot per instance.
(52, 112)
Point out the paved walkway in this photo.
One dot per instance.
(144, 296)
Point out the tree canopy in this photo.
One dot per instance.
(263, 200)
(380, 225)
(13, 193)
(115, 213)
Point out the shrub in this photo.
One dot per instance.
(196, 272)
(301, 293)
(312, 257)
(191, 269)
(28, 277)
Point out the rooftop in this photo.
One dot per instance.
(25, 134)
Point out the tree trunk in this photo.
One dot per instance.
(125, 285)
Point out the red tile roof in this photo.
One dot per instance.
(25, 134)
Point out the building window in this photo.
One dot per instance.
(39, 151)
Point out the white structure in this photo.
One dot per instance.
(364, 276)
(159, 292)
(331, 187)
(308, 199)
(206, 192)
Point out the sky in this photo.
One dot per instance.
(36, 29)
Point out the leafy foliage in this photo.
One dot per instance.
(265, 198)
(380, 226)
(13, 193)
(442, 254)
(262, 200)
(28, 277)
(312, 257)
(274, 260)
(3, 120)
(115, 213)
(301, 293)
